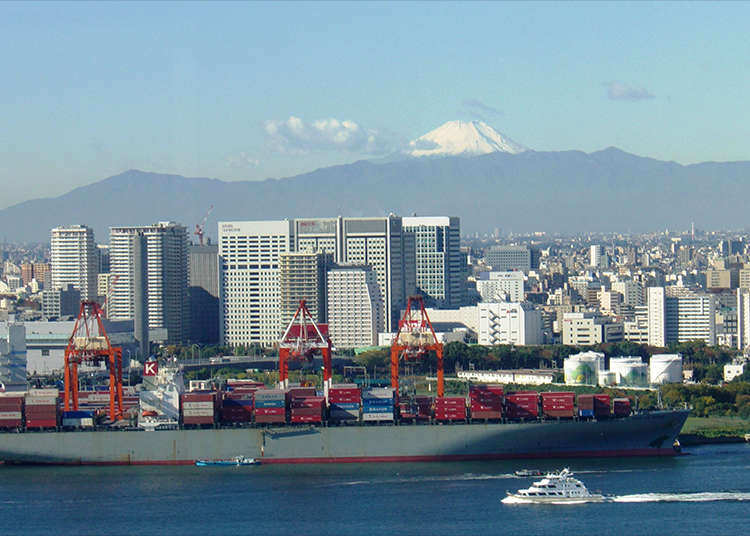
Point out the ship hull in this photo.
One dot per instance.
(650, 434)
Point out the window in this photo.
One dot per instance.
(45, 352)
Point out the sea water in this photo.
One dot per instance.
(706, 491)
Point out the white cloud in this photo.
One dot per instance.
(621, 91)
(242, 160)
(294, 135)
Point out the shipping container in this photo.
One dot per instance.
(522, 405)
(558, 404)
(621, 407)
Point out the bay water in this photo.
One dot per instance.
(707, 491)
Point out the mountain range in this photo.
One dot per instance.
(569, 191)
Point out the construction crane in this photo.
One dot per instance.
(89, 344)
(414, 340)
(303, 339)
(199, 226)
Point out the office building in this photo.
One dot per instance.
(203, 293)
(501, 286)
(73, 259)
(680, 317)
(61, 302)
(509, 323)
(355, 307)
(150, 264)
(508, 258)
(440, 268)
(587, 328)
(250, 290)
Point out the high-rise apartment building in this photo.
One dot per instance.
(149, 267)
(743, 318)
(440, 270)
(355, 308)
(249, 287)
(302, 276)
(73, 259)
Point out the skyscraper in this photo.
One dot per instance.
(250, 292)
(439, 268)
(302, 276)
(203, 293)
(151, 269)
(355, 309)
(685, 317)
(73, 259)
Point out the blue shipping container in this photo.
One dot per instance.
(269, 403)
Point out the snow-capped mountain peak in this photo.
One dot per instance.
(463, 138)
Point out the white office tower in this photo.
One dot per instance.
(586, 328)
(509, 323)
(743, 318)
(149, 280)
(685, 317)
(501, 286)
(355, 309)
(665, 368)
(249, 287)
(631, 371)
(583, 368)
(379, 242)
(440, 270)
(598, 257)
(74, 259)
(12, 354)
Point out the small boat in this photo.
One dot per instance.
(554, 488)
(528, 472)
(237, 460)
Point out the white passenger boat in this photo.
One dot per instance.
(554, 488)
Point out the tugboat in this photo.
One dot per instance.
(237, 460)
(554, 488)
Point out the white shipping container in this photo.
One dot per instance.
(197, 413)
(198, 405)
(10, 415)
(44, 392)
(41, 401)
(381, 417)
(98, 397)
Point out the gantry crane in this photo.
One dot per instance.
(303, 339)
(90, 344)
(199, 226)
(414, 340)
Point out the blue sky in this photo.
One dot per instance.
(253, 90)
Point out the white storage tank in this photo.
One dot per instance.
(631, 371)
(665, 368)
(583, 368)
(607, 378)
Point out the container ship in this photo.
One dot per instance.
(350, 425)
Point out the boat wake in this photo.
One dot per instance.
(682, 497)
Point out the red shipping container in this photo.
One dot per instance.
(11, 423)
(41, 423)
(486, 414)
(269, 411)
(621, 407)
(307, 411)
(270, 419)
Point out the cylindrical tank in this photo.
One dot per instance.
(607, 378)
(665, 368)
(631, 371)
(583, 368)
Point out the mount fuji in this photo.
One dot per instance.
(463, 138)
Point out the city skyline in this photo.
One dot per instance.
(250, 91)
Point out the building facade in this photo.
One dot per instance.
(74, 260)
(681, 317)
(149, 267)
(302, 276)
(203, 293)
(587, 328)
(355, 308)
(507, 258)
(509, 323)
(440, 268)
(501, 286)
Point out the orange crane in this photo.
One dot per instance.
(414, 340)
(199, 226)
(303, 339)
(89, 344)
